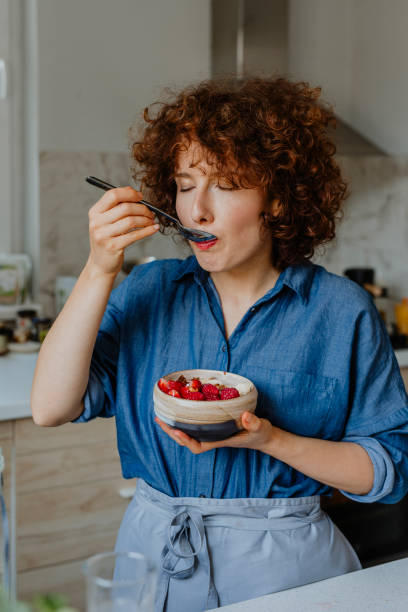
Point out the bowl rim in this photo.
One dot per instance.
(197, 403)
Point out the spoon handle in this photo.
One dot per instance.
(106, 186)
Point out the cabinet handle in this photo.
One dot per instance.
(127, 492)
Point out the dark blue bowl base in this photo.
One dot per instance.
(205, 433)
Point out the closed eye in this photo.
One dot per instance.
(186, 189)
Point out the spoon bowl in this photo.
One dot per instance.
(187, 232)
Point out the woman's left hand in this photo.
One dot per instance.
(257, 434)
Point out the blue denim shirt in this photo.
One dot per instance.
(314, 346)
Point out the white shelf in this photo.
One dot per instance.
(9, 311)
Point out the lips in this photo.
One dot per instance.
(203, 246)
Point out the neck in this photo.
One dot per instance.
(246, 284)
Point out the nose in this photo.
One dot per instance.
(201, 210)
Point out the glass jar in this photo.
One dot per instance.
(24, 325)
(42, 327)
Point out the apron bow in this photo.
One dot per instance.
(186, 544)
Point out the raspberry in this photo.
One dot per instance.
(209, 389)
(192, 395)
(229, 393)
(212, 398)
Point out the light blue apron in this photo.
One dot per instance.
(215, 552)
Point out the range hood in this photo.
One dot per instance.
(251, 37)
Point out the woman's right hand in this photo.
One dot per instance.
(112, 223)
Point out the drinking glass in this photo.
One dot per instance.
(120, 582)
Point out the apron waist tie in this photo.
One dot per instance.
(186, 546)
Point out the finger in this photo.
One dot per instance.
(121, 242)
(124, 209)
(250, 421)
(170, 431)
(123, 225)
(119, 194)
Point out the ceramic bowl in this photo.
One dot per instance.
(206, 421)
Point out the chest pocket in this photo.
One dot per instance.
(299, 402)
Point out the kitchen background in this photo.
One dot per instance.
(80, 74)
(98, 65)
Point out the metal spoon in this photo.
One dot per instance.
(190, 234)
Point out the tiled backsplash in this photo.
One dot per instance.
(373, 232)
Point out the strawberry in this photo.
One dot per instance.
(192, 395)
(163, 385)
(229, 393)
(174, 384)
(174, 393)
(196, 382)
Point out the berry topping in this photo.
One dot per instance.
(192, 395)
(174, 393)
(175, 384)
(209, 390)
(229, 393)
(194, 389)
(163, 385)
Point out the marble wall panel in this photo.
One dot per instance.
(65, 199)
(374, 229)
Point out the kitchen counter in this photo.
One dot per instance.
(377, 589)
(16, 377)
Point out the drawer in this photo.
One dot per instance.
(6, 430)
(64, 578)
(30, 437)
(65, 467)
(66, 523)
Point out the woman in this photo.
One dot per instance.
(251, 163)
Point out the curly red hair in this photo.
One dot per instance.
(269, 133)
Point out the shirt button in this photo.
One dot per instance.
(201, 495)
(253, 308)
(223, 348)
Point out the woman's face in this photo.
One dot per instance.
(233, 215)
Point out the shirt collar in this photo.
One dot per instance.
(298, 277)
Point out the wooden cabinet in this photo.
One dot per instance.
(68, 505)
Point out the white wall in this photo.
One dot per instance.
(101, 62)
(357, 51)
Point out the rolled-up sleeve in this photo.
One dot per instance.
(100, 394)
(378, 410)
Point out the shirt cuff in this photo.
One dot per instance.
(94, 399)
(384, 473)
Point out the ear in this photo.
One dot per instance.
(274, 210)
(275, 207)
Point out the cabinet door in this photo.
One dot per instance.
(68, 503)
